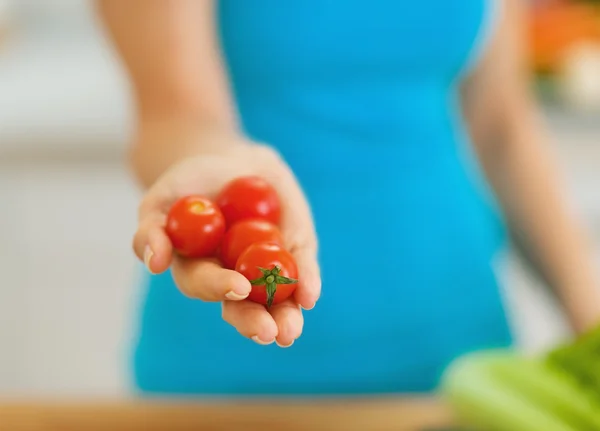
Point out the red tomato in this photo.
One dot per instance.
(272, 271)
(245, 233)
(195, 226)
(247, 198)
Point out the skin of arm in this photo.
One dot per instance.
(188, 142)
(178, 83)
(512, 144)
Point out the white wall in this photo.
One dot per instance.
(67, 299)
(67, 206)
(60, 84)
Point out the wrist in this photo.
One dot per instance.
(162, 141)
(580, 295)
(584, 311)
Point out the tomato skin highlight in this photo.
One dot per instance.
(195, 226)
(269, 257)
(249, 198)
(242, 235)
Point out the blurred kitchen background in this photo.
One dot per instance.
(67, 203)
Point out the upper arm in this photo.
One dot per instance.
(497, 96)
(171, 53)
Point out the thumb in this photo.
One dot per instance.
(150, 242)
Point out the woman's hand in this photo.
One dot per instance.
(183, 105)
(206, 279)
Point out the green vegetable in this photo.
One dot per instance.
(580, 360)
(478, 394)
(504, 391)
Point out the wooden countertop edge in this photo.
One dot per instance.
(258, 414)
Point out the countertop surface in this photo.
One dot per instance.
(397, 414)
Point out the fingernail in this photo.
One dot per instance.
(234, 296)
(308, 308)
(148, 253)
(285, 346)
(259, 341)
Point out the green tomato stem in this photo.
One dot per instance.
(270, 279)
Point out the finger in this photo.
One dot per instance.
(296, 223)
(252, 320)
(152, 245)
(158, 199)
(207, 280)
(309, 277)
(296, 218)
(289, 321)
(299, 234)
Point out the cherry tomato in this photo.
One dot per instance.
(245, 233)
(272, 271)
(195, 226)
(248, 198)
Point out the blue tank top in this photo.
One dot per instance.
(361, 98)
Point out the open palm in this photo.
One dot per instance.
(206, 279)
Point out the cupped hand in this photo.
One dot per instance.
(206, 279)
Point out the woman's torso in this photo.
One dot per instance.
(361, 99)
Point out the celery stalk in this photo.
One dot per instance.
(481, 397)
(550, 389)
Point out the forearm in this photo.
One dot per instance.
(527, 183)
(164, 141)
(170, 52)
